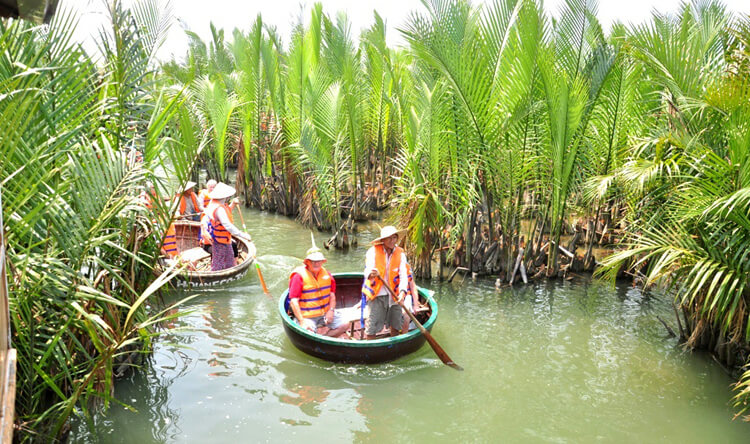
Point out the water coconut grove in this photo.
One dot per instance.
(512, 145)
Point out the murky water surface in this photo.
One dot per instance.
(551, 362)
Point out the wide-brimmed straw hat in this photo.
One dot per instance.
(314, 254)
(221, 191)
(190, 184)
(386, 232)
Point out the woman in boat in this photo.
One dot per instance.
(312, 296)
(203, 194)
(204, 238)
(221, 228)
(384, 260)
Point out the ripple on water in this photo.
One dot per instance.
(362, 375)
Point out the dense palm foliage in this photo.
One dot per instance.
(313, 124)
(491, 116)
(688, 179)
(496, 134)
(80, 242)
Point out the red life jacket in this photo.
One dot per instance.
(218, 232)
(371, 287)
(316, 293)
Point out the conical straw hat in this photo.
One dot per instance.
(387, 231)
(314, 253)
(190, 184)
(221, 191)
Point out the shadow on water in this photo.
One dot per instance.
(552, 362)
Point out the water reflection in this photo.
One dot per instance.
(321, 403)
(143, 413)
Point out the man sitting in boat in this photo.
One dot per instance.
(387, 261)
(312, 296)
(190, 206)
(221, 228)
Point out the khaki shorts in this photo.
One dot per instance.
(378, 313)
(320, 321)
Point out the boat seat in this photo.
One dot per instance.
(351, 315)
(193, 255)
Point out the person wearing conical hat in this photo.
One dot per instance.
(312, 296)
(148, 195)
(221, 228)
(385, 259)
(189, 204)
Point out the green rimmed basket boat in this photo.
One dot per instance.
(348, 294)
(187, 233)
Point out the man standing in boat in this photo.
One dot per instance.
(386, 260)
(312, 296)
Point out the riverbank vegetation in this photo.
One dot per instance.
(506, 140)
(503, 139)
(80, 242)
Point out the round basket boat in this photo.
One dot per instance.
(383, 349)
(187, 233)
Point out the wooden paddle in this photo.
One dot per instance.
(257, 265)
(433, 343)
(187, 216)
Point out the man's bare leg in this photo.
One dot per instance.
(336, 332)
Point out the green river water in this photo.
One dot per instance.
(551, 362)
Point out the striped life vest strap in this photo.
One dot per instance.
(170, 241)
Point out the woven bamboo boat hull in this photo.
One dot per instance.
(187, 237)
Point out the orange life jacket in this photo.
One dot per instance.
(218, 232)
(397, 278)
(183, 203)
(170, 241)
(316, 293)
(371, 287)
(204, 195)
(148, 198)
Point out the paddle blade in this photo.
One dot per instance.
(262, 281)
(433, 343)
(440, 352)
